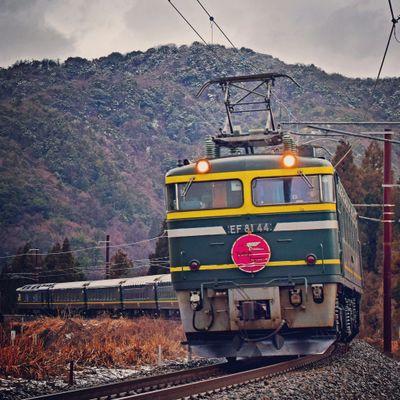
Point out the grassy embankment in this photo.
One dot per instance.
(46, 345)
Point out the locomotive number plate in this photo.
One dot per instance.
(249, 228)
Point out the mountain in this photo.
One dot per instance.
(84, 144)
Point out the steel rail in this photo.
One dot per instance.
(231, 380)
(135, 385)
(185, 383)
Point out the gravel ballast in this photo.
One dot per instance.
(362, 373)
(18, 388)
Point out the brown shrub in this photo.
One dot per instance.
(102, 342)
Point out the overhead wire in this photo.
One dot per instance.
(103, 266)
(353, 134)
(184, 18)
(64, 272)
(85, 248)
(216, 24)
(392, 33)
(238, 51)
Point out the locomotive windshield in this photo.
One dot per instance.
(204, 195)
(293, 189)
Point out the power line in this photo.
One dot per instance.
(183, 17)
(341, 123)
(345, 133)
(251, 64)
(93, 268)
(212, 19)
(63, 272)
(395, 36)
(343, 157)
(86, 248)
(391, 34)
(370, 218)
(215, 55)
(383, 59)
(373, 205)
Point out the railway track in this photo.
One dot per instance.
(181, 384)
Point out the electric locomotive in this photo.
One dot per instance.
(264, 249)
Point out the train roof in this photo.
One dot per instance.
(102, 283)
(143, 280)
(164, 278)
(70, 285)
(35, 286)
(249, 162)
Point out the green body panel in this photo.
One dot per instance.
(288, 245)
(216, 249)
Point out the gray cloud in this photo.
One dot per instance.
(345, 36)
(25, 34)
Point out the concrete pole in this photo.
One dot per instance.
(107, 256)
(387, 244)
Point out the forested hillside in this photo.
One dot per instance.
(84, 144)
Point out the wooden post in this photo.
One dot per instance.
(13, 335)
(159, 358)
(71, 373)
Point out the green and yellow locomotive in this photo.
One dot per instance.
(264, 250)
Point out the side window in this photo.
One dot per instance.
(328, 195)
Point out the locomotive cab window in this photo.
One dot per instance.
(193, 195)
(292, 189)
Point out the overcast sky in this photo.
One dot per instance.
(345, 36)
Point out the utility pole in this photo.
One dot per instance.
(107, 256)
(36, 265)
(36, 270)
(388, 215)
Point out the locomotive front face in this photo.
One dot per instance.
(255, 255)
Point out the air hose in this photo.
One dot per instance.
(277, 330)
(208, 326)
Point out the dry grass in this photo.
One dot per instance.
(99, 342)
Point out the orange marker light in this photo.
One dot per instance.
(203, 166)
(289, 160)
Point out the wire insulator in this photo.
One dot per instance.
(288, 143)
(212, 150)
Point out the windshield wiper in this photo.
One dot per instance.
(187, 187)
(306, 180)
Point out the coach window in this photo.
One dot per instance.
(193, 195)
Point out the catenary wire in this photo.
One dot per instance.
(86, 248)
(183, 17)
(392, 33)
(216, 24)
(384, 57)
